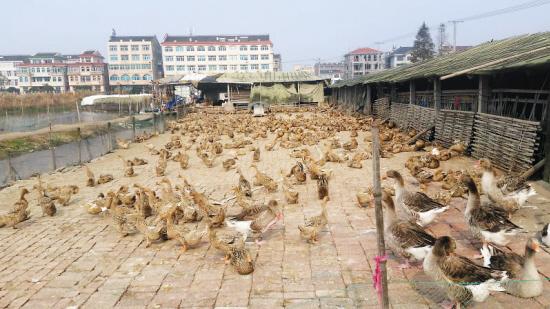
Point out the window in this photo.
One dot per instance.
(202, 68)
(169, 68)
(244, 67)
(212, 67)
(222, 58)
(124, 47)
(243, 48)
(169, 58)
(190, 58)
(135, 47)
(376, 66)
(135, 77)
(254, 67)
(211, 48)
(179, 48)
(221, 48)
(146, 66)
(232, 57)
(113, 48)
(146, 57)
(125, 77)
(190, 48)
(253, 47)
(168, 49)
(113, 67)
(222, 67)
(180, 58)
(244, 57)
(135, 57)
(191, 68)
(265, 47)
(374, 57)
(233, 67)
(253, 57)
(201, 58)
(145, 47)
(124, 57)
(400, 58)
(265, 57)
(113, 58)
(265, 66)
(211, 58)
(180, 68)
(147, 77)
(200, 48)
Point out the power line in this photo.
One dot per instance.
(515, 8)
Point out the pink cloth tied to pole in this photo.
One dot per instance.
(377, 275)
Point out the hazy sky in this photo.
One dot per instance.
(300, 30)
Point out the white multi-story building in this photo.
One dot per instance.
(8, 70)
(211, 54)
(363, 61)
(400, 56)
(87, 72)
(43, 72)
(134, 61)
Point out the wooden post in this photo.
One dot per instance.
(162, 122)
(393, 92)
(379, 214)
(52, 148)
(368, 101)
(484, 94)
(412, 92)
(133, 128)
(109, 137)
(79, 145)
(437, 95)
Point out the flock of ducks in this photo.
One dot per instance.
(186, 213)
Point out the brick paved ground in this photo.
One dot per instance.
(78, 260)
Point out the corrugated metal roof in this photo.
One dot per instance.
(511, 53)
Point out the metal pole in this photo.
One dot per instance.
(54, 166)
(77, 110)
(133, 128)
(11, 170)
(110, 142)
(79, 145)
(379, 215)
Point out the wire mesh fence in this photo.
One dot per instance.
(79, 150)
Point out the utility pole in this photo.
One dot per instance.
(318, 66)
(454, 22)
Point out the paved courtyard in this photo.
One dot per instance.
(77, 260)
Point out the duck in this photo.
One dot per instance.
(511, 201)
(544, 235)
(97, 206)
(320, 220)
(229, 163)
(263, 222)
(63, 194)
(405, 238)
(14, 218)
(187, 238)
(417, 205)
(150, 232)
(22, 203)
(487, 221)
(322, 186)
(122, 143)
(298, 172)
(524, 279)
(291, 195)
(256, 154)
(105, 178)
(364, 198)
(466, 280)
(224, 240)
(310, 233)
(241, 259)
(90, 179)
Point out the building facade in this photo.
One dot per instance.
(212, 54)
(398, 57)
(277, 63)
(8, 70)
(363, 61)
(43, 72)
(332, 70)
(87, 72)
(134, 61)
(303, 68)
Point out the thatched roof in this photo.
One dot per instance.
(511, 53)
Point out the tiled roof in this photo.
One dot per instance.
(14, 57)
(216, 38)
(402, 50)
(46, 55)
(364, 50)
(133, 38)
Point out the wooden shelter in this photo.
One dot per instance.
(494, 97)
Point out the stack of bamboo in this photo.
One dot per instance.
(509, 143)
(452, 126)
